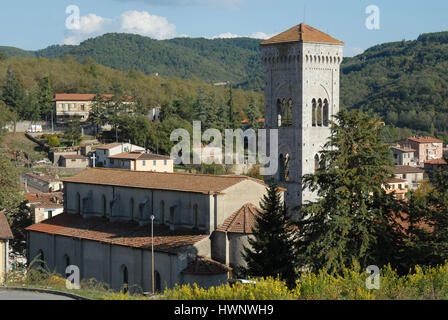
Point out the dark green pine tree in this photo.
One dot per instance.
(272, 251)
(45, 97)
(354, 218)
(13, 93)
(231, 113)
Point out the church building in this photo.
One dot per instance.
(201, 224)
(302, 68)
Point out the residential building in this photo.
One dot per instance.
(45, 205)
(426, 148)
(403, 156)
(141, 161)
(5, 237)
(74, 161)
(42, 182)
(435, 165)
(76, 106)
(413, 175)
(105, 227)
(103, 152)
(399, 187)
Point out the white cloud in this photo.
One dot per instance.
(256, 35)
(137, 22)
(231, 3)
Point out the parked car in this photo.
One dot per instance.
(34, 128)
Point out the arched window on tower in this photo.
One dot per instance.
(313, 113)
(125, 278)
(326, 113)
(286, 166)
(316, 163)
(279, 113)
(281, 161)
(319, 113)
(288, 113)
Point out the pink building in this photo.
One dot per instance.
(426, 148)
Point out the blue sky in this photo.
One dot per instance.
(34, 25)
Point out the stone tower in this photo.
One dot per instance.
(302, 94)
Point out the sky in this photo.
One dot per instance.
(32, 25)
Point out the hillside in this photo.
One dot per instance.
(405, 82)
(235, 60)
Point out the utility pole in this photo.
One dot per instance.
(152, 252)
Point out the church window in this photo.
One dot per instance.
(172, 215)
(162, 211)
(288, 112)
(316, 163)
(279, 113)
(313, 112)
(319, 113)
(196, 216)
(66, 260)
(78, 203)
(124, 278)
(132, 208)
(158, 282)
(104, 206)
(41, 259)
(286, 166)
(326, 113)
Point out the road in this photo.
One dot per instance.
(29, 295)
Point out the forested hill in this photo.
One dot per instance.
(405, 82)
(218, 60)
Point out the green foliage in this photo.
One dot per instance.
(11, 190)
(20, 218)
(272, 250)
(73, 132)
(353, 218)
(45, 96)
(3, 56)
(53, 141)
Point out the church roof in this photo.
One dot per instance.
(205, 184)
(5, 230)
(128, 234)
(302, 33)
(242, 221)
(205, 266)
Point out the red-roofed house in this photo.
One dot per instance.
(426, 148)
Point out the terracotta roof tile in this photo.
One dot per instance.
(128, 234)
(242, 221)
(42, 176)
(205, 266)
(425, 140)
(437, 162)
(206, 184)
(302, 33)
(405, 169)
(5, 230)
(395, 180)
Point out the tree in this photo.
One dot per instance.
(45, 96)
(232, 114)
(253, 114)
(13, 93)
(354, 219)
(11, 190)
(3, 56)
(19, 219)
(272, 249)
(73, 131)
(53, 141)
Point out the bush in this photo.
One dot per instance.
(53, 141)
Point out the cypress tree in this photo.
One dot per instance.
(271, 251)
(354, 219)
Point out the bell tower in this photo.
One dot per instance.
(302, 69)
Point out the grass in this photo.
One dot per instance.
(19, 142)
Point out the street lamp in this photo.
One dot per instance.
(152, 251)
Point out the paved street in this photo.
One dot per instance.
(28, 295)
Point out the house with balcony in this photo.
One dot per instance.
(426, 148)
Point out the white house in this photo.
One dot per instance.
(105, 151)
